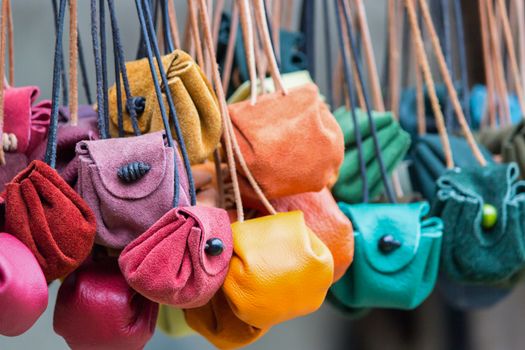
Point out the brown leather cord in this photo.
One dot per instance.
(425, 67)
(499, 75)
(288, 14)
(3, 34)
(260, 19)
(73, 61)
(487, 61)
(420, 97)
(338, 82)
(249, 46)
(520, 19)
(230, 48)
(261, 62)
(276, 27)
(377, 96)
(174, 26)
(229, 135)
(393, 56)
(460, 116)
(11, 43)
(217, 17)
(509, 41)
(195, 35)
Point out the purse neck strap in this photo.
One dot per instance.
(152, 50)
(343, 15)
(446, 77)
(230, 139)
(462, 56)
(4, 23)
(230, 47)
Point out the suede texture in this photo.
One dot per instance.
(23, 287)
(394, 144)
(401, 278)
(508, 142)
(280, 270)
(67, 138)
(217, 323)
(97, 310)
(15, 163)
(291, 143)
(327, 221)
(168, 263)
(171, 322)
(124, 210)
(195, 103)
(428, 161)
(471, 253)
(27, 120)
(50, 218)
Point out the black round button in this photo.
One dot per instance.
(388, 243)
(214, 247)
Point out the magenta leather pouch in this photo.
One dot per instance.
(15, 163)
(67, 138)
(28, 122)
(97, 310)
(23, 287)
(128, 182)
(183, 259)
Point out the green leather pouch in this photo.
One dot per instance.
(393, 141)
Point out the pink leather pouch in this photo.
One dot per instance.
(97, 310)
(30, 123)
(23, 287)
(183, 259)
(129, 184)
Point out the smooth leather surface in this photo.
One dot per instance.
(168, 263)
(402, 278)
(291, 143)
(472, 254)
(393, 141)
(280, 270)
(23, 287)
(217, 323)
(195, 103)
(325, 219)
(126, 210)
(171, 321)
(50, 218)
(97, 310)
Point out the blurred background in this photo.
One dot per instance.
(432, 326)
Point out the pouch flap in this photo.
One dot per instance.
(493, 184)
(402, 222)
(110, 154)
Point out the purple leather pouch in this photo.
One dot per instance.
(129, 184)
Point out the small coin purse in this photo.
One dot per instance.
(396, 256)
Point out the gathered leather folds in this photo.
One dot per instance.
(50, 218)
(393, 141)
(396, 256)
(428, 161)
(325, 219)
(291, 143)
(472, 251)
(23, 287)
(195, 103)
(126, 206)
(172, 262)
(97, 310)
(29, 122)
(279, 270)
(217, 322)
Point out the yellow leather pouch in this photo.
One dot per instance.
(171, 322)
(279, 270)
(195, 103)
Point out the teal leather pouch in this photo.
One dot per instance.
(396, 256)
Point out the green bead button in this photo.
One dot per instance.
(490, 216)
